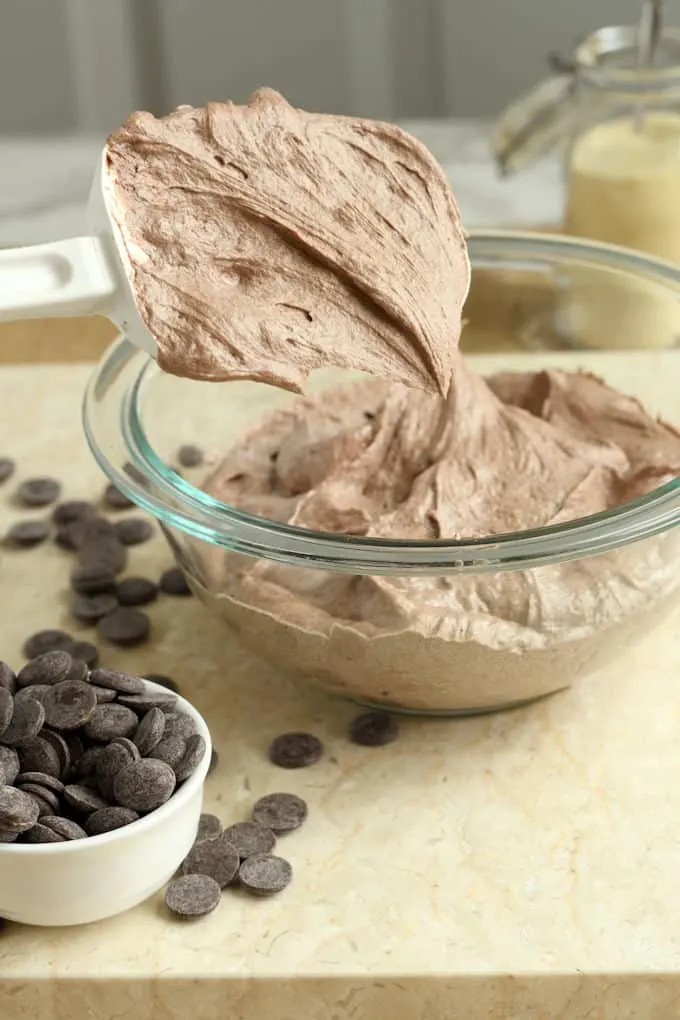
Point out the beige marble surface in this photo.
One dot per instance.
(524, 865)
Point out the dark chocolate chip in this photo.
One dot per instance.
(69, 705)
(193, 756)
(27, 721)
(215, 857)
(192, 896)
(28, 533)
(83, 799)
(8, 678)
(93, 579)
(190, 456)
(373, 729)
(38, 491)
(100, 546)
(109, 818)
(149, 733)
(40, 756)
(136, 591)
(42, 794)
(61, 747)
(281, 812)
(72, 510)
(47, 641)
(110, 721)
(150, 699)
(9, 765)
(85, 652)
(41, 779)
(116, 499)
(208, 826)
(78, 671)
(113, 758)
(70, 536)
(295, 750)
(250, 838)
(86, 763)
(35, 691)
(129, 746)
(171, 750)
(64, 827)
(40, 833)
(7, 837)
(134, 530)
(163, 681)
(144, 785)
(178, 724)
(103, 694)
(264, 874)
(49, 668)
(18, 810)
(124, 626)
(7, 467)
(125, 683)
(173, 582)
(6, 709)
(91, 608)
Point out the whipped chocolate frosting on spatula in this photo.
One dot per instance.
(264, 242)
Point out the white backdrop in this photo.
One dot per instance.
(80, 65)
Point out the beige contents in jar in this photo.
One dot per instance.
(623, 188)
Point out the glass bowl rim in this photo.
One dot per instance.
(152, 484)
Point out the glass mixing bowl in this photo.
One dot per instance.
(622, 566)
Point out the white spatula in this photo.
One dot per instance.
(77, 276)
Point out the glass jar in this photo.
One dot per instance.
(618, 126)
(321, 605)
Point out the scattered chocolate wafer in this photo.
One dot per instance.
(280, 812)
(38, 491)
(264, 874)
(173, 582)
(192, 896)
(83, 799)
(190, 456)
(73, 510)
(41, 779)
(91, 608)
(215, 857)
(124, 626)
(373, 729)
(25, 534)
(93, 579)
(116, 499)
(9, 765)
(250, 838)
(177, 724)
(64, 827)
(136, 591)
(47, 641)
(208, 826)
(151, 699)
(134, 530)
(193, 756)
(7, 467)
(149, 733)
(295, 750)
(38, 755)
(171, 750)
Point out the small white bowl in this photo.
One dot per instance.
(85, 880)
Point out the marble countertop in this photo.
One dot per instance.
(521, 866)
(44, 182)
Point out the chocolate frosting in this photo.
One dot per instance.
(263, 242)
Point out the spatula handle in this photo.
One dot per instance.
(71, 277)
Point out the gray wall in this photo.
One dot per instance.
(81, 64)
